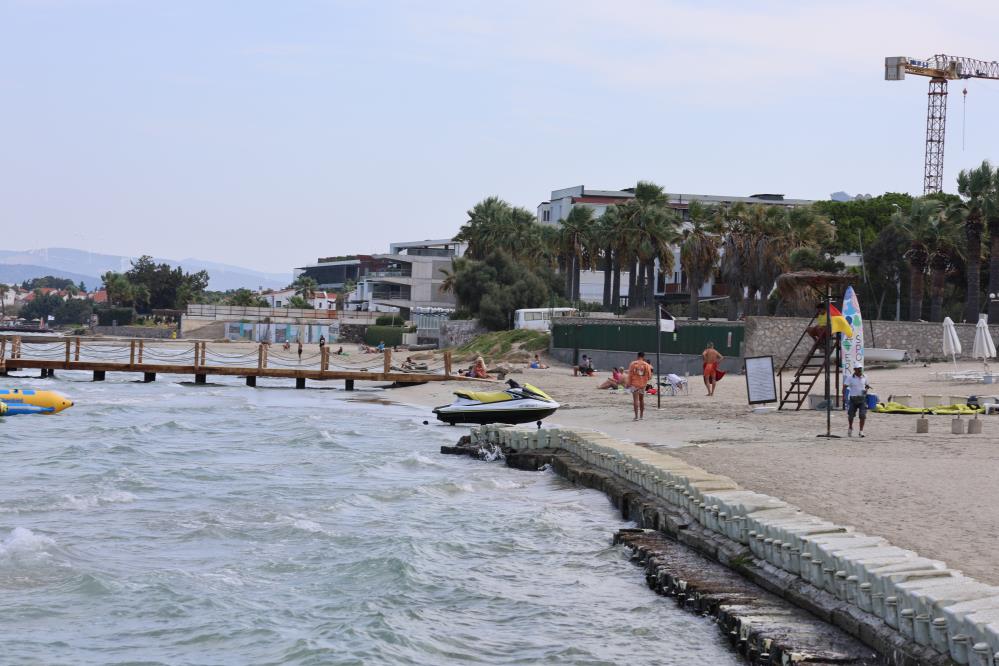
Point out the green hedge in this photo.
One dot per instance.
(390, 335)
(123, 316)
(389, 320)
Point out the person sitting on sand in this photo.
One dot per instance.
(712, 361)
(585, 367)
(479, 369)
(536, 363)
(381, 346)
(408, 364)
(615, 381)
(339, 352)
(286, 346)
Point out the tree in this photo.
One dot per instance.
(4, 290)
(649, 228)
(699, 251)
(576, 233)
(494, 224)
(299, 303)
(991, 210)
(246, 298)
(918, 224)
(73, 311)
(41, 305)
(974, 186)
(118, 288)
(305, 286)
(491, 289)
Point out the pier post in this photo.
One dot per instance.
(98, 375)
(196, 354)
(300, 382)
(349, 385)
(141, 345)
(76, 352)
(447, 363)
(260, 358)
(203, 344)
(148, 377)
(200, 379)
(67, 349)
(51, 372)
(251, 381)
(388, 361)
(131, 353)
(44, 373)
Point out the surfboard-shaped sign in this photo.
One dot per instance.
(853, 346)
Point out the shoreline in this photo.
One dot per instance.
(922, 492)
(904, 607)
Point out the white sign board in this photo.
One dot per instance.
(760, 384)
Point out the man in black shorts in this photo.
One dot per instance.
(857, 384)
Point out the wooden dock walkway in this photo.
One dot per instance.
(201, 359)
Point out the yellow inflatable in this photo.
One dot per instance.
(3, 408)
(30, 401)
(952, 410)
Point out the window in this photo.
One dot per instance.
(546, 215)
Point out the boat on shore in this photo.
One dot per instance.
(884, 355)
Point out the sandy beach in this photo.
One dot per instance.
(932, 493)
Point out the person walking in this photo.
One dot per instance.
(857, 386)
(322, 343)
(300, 350)
(712, 361)
(639, 376)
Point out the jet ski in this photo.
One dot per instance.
(517, 404)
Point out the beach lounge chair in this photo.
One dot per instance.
(675, 385)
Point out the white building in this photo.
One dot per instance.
(562, 201)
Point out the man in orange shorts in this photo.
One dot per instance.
(639, 376)
(712, 361)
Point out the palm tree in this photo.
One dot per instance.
(651, 228)
(576, 238)
(991, 209)
(699, 251)
(4, 290)
(974, 185)
(734, 254)
(943, 241)
(305, 286)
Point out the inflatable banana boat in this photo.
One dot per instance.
(30, 401)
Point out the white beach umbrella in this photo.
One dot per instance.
(984, 347)
(951, 343)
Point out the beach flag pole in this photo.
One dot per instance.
(659, 338)
(828, 433)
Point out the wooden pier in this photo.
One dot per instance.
(200, 359)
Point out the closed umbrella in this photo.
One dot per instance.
(951, 343)
(984, 347)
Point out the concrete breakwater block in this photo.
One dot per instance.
(908, 608)
(760, 625)
(922, 425)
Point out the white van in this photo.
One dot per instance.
(540, 319)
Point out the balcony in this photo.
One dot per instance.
(395, 273)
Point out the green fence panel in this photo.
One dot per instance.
(635, 338)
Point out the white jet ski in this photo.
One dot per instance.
(517, 404)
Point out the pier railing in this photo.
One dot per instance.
(202, 358)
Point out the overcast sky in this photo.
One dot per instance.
(269, 133)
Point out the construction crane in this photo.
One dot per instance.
(940, 69)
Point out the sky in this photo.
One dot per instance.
(267, 134)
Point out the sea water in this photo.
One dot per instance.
(179, 524)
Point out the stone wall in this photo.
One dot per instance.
(766, 336)
(456, 332)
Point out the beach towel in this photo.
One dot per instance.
(712, 368)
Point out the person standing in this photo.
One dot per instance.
(322, 343)
(712, 362)
(300, 350)
(857, 385)
(639, 376)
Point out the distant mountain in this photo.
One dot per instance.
(18, 273)
(67, 262)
